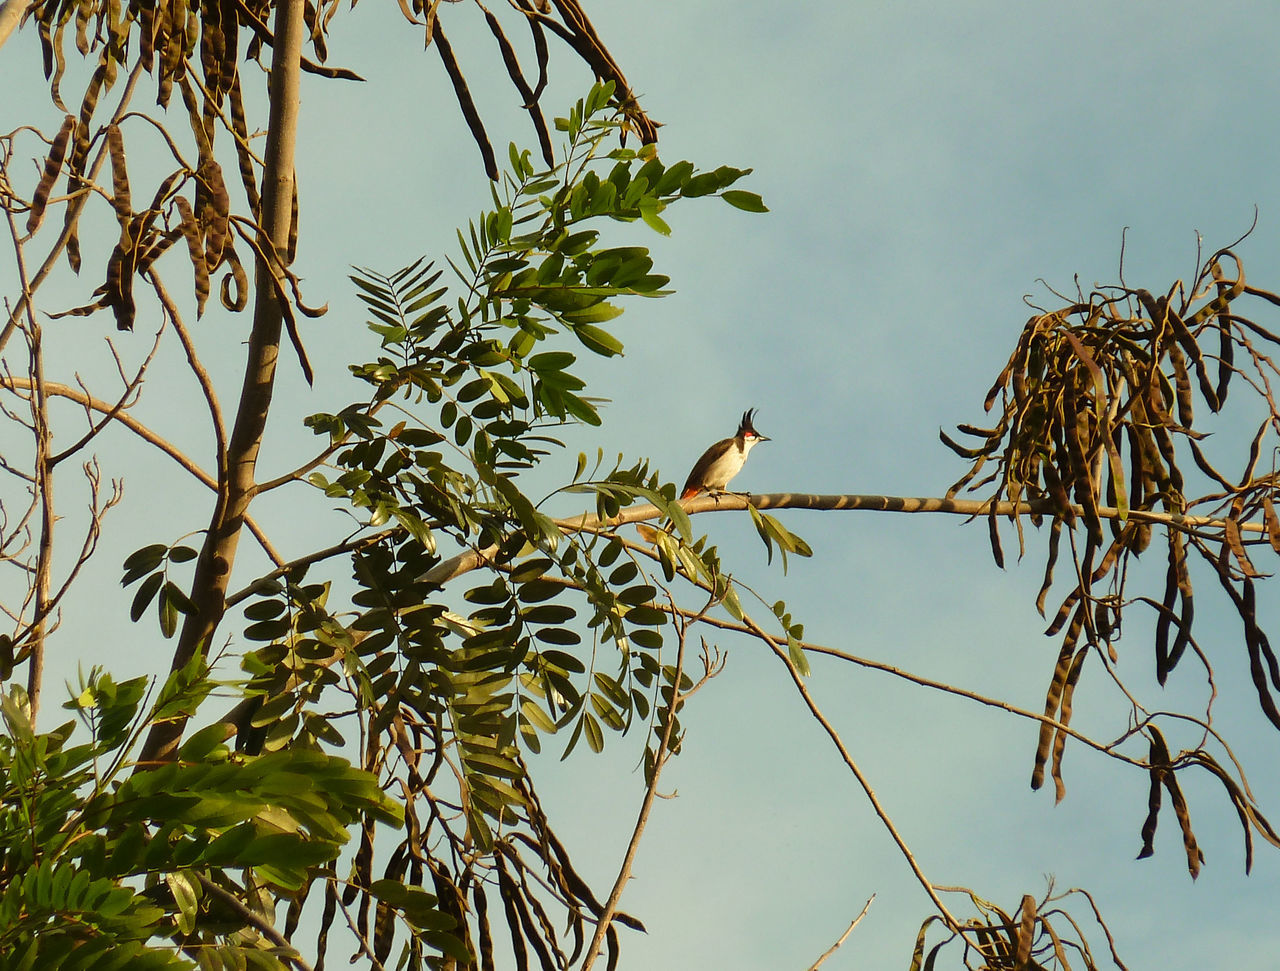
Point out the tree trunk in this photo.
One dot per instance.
(236, 472)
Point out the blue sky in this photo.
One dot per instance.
(925, 165)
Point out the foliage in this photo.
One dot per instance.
(444, 701)
(371, 765)
(477, 374)
(98, 862)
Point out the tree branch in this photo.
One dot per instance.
(217, 555)
(43, 473)
(118, 414)
(730, 501)
(198, 369)
(11, 12)
(469, 560)
(605, 917)
(287, 951)
(843, 937)
(876, 805)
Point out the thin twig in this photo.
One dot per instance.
(250, 916)
(605, 917)
(198, 369)
(131, 386)
(1106, 748)
(843, 937)
(853, 767)
(147, 435)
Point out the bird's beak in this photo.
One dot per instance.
(763, 438)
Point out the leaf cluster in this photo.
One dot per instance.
(562, 633)
(97, 864)
(1037, 936)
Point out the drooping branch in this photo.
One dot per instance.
(75, 206)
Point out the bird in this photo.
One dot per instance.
(723, 460)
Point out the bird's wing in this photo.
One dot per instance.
(697, 477)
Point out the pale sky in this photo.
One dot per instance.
(925, 165)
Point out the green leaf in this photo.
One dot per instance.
(646, 616)
(179, 599)
(747, 201)
(230, 846)
(201, 746)
(597, 340)
(797, 656)
(551, 361)
(184, 894)
(649, 210)
(537, 717)
(595, 314)
(702, 184)
(143, 561)
(142, 599)
(167, 612)
(595, 737)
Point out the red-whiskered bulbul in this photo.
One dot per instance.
(723, 460)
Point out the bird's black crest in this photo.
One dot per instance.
(746, 425)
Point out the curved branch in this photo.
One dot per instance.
(198, 369)
(853, 767)
(115, 413)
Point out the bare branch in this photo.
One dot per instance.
(43, 472)
(147, 435)
(727, 502)
(843, 937)
(198, 369)
(605, 917)
(853, 767)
